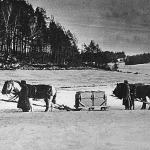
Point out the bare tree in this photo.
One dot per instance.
(6, 11)
(6, 8)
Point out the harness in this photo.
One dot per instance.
(14, 90)
(34, 91)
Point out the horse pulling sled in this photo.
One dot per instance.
(138, 92)
(33, 92)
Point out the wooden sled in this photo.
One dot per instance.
(93, 100)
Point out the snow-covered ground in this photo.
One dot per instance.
(87, 130)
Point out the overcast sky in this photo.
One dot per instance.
(116, 25)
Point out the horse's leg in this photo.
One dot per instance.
(31, 104)
(51, 103)
(144, 104)
(132, 102)
(51, 106)
(148, 100)
(47, 104)
(130, 105)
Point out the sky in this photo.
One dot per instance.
(116, 25)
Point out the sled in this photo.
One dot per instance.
(93, 100)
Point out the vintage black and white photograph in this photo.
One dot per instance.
(74, 74)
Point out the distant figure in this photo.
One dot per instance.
(23, 101)
(126, 96)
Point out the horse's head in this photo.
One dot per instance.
(118, 91)
(8, 85)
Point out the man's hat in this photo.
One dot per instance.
(23, 82)
(126, 81)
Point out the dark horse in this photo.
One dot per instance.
(41, 91)
(137, 91)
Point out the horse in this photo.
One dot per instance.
(41, 91)
(137, 91)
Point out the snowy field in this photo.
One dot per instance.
(115, 129)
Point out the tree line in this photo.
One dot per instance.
(29, 33)
(92, 54)
(138, 59)
(33, 37)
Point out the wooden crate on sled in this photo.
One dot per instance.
(93, 100)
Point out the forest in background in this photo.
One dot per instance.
(29, 36)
